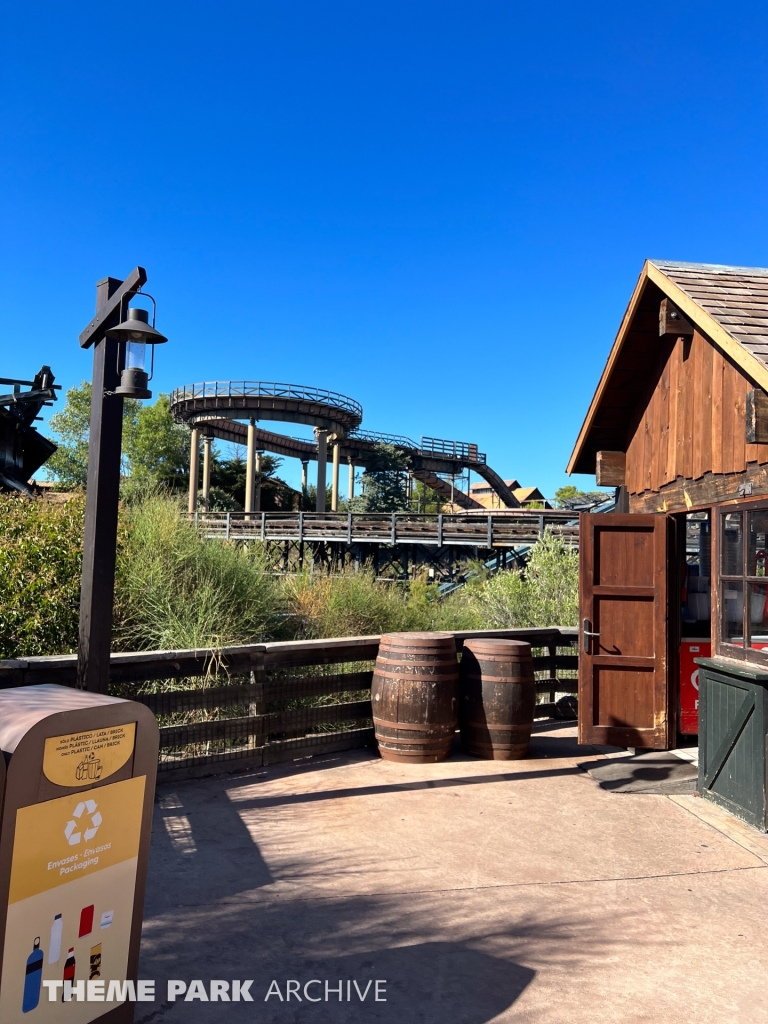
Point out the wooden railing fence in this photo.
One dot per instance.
(236, 707)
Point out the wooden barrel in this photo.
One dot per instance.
(498, 695)
(415, 693)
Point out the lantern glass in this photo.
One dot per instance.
(136, 355)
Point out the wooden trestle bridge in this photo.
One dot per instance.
(397, 540)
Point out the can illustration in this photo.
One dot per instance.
(33, 979)
(54, 950)
(95, 962)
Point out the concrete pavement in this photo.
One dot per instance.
(473, 891)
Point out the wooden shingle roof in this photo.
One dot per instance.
(728, 305)
(736, 297)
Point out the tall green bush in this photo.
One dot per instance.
(352, 603)
(40, 567)
(545, 594)
(176, 590)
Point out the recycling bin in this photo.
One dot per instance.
(78, 775)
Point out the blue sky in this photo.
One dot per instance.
(439, 209)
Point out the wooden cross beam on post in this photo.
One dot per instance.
(103, 486)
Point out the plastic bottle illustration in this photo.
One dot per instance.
(69, 969)
(34, 978)
(54, 950)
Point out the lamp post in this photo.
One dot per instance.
(119, 354)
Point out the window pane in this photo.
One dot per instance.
(733, 550)
(758, 543)
(758, 614)
(733, 613)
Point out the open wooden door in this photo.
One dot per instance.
(624, 690)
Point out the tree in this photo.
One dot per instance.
(570, 496)
(384, 482)
(228, 476)
(69, 463)
(157, 448)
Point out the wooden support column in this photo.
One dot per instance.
(249, 464)
(322, 461)
(257, 484)
(351, 480)
(194, 468)
(335, 476)
(103, 495)
(207, 439)
(304, 476)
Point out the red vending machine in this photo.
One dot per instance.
(695, 617)
(689, 683)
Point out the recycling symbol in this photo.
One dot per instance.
(72, 830)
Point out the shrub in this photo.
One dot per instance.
(545, 594)
(40, 568)
(177, 590)
(352, 603)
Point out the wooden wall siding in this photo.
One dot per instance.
(692, 422)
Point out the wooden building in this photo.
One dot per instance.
(529, 497)
(679, 425)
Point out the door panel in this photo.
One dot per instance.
(625, 625)
(624, 558)
(623, 683)
(620, 697)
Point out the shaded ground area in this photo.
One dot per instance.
(476, 891)
(658, 772)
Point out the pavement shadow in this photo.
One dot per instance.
(653, 773)
(200, 845)
(423, 983)
(419, 983)
(458, 781)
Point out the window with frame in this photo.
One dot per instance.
(743, 584)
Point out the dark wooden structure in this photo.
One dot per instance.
(679, 425)
(732, 747)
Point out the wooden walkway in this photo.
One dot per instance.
(486, 530)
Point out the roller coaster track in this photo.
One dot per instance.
(359, 449)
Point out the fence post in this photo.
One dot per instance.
(229, 523)
(393, 533)
(552, 648)
(257, 707)
(440, 530)
(349, 527)
(490, 531)
(263, 525)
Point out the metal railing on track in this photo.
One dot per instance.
(265, 389)
(452, 449)
(398, 440)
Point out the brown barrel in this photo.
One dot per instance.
(498, 695)
(415, 693)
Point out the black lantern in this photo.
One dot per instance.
(134, 334)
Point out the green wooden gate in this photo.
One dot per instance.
(733, 721)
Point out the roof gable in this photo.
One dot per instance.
(728, 305)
